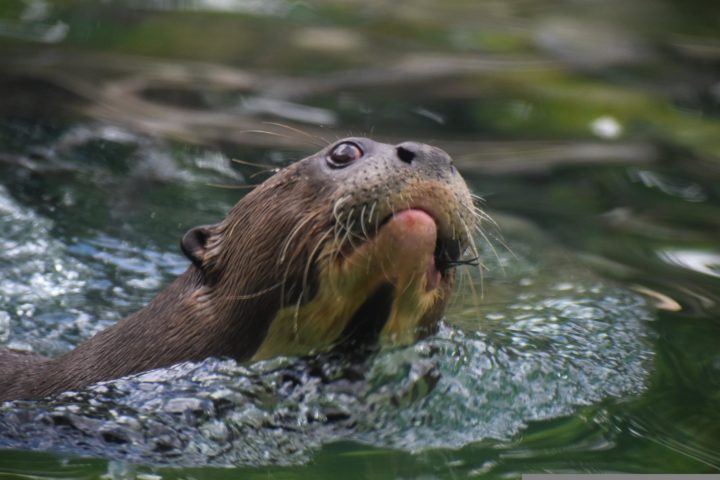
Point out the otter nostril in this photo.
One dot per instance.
(405, 154)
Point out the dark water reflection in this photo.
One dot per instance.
(591, 128)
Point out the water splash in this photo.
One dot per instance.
(564, 341)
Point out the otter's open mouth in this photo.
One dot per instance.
(417, 237)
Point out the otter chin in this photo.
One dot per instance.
(355, 245)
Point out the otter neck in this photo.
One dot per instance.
(182, 323)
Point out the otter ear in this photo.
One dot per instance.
(194, 244)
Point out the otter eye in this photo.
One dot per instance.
(344, 154)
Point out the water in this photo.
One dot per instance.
(591, 129)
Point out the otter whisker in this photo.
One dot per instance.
(405, 200)
(349, 233)
(254, 164)
(250, 296)
(310, 260)
(502, 242)
(458, 288)
(357, 236)
(337, 242)
(476, 303)
(464, 277)
(475, 252)
(230, 187)
(372, 210)
(337, 251)
(337, 224)
(477, 211)
(269, 170)
(338, 216)
(283, 282)
(290, 264)
(296, 315)
(345, 231)
(340, 228)
(265, 168)
(264, 132)
(291, 236)
(338, 203)
(492, 247)
(390, 206)
(362, 222)
(301, 132)
(473, 262)
(348, 221)
(480, 215)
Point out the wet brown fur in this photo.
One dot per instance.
(224, 303)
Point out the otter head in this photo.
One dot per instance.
(355, 243)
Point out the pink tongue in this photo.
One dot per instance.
(410, 236)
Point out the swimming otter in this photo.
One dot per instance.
(355, 243)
